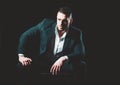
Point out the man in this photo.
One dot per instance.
(51, 47)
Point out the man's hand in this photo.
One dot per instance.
(25, 61)
(57, 65)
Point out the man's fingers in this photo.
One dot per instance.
(59, 68)
(25, 63)
(52, 69)
(22, 63)
(29, 61)
(55, 69)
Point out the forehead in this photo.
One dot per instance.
(61, 15)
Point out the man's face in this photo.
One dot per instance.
(63, 21)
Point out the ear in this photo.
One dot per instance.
(71, 20)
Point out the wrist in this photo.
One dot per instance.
(65, 58)
(21, 55)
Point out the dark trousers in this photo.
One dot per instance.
(31, 75)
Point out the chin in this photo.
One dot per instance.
(60, 28)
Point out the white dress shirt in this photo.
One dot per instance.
(59, 42)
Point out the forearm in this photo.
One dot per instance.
(77, 53)
(64, 58)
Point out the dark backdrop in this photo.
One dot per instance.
(18, 16)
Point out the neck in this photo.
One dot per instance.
(61, 32)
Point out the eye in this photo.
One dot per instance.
(65, 21)
(59, 19)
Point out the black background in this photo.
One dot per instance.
(93, 18)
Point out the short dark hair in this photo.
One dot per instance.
(66, 10)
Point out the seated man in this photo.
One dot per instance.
(51, 48)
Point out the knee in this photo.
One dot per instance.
(21, 68)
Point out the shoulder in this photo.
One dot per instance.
(46, 22)
(75, 33)
(75, 30)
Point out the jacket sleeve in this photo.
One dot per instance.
(78, 52)
(30, 40)
(27, 41)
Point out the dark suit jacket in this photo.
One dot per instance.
(38, 43)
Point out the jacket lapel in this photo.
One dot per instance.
(68, 39)
(66, 43)
(46, 38)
